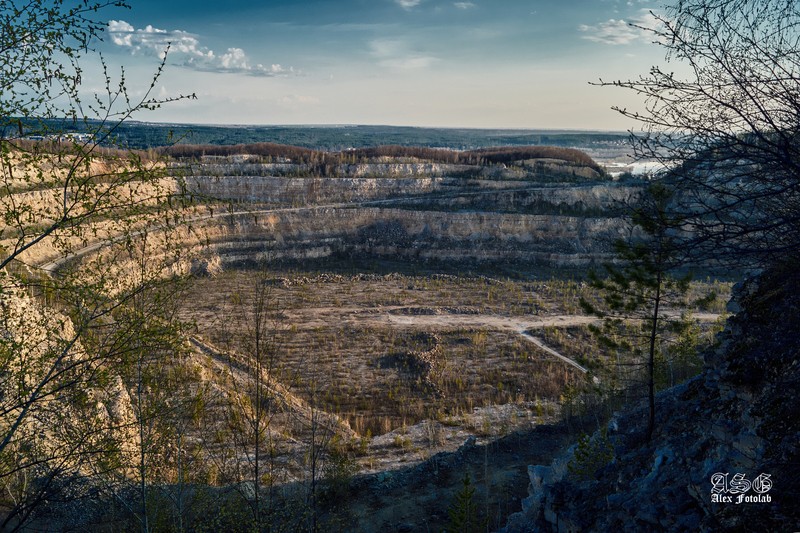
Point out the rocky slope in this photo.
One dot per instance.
(726, 451)
(542, 212)
(419, 235)
(416, 217)
(248, 165)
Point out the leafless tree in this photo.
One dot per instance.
(250, 336)
(723, 116)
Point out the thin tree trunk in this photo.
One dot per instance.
(142, 452)
(651, 393)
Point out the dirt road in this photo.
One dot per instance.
(429, 318)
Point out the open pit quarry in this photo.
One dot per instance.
(255, 219)
(418, 218)
(545, 216)
(440, 350)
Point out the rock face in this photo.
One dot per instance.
(415, 235)
(546, 213)
(296, 191)
(415, 218)
(388, 169)
(39, 350)
(726, 451)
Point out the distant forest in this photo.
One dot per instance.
(142, 135)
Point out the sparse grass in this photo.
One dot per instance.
(361, 367)
(362, 370)
(462, 293)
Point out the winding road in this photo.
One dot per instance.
(404, 316)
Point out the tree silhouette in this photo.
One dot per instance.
(727, 131)
(636, 292)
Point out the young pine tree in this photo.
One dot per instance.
(641, 292)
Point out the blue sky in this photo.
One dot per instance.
(477, 63)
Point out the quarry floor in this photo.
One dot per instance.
(346, 326)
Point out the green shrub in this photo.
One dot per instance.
(463, 511)
(592, 453)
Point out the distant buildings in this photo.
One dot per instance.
(79, 138)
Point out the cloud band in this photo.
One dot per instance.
(185, 50)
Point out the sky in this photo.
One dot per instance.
(433, 63)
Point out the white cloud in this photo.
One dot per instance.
(408, 4)
(121, 32)
(464, 5)
(618, 32)
(396, 54)
(185, 49)
(382, 48)
(409, 63)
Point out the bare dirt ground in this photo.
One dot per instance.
(427, 317)
(356, 339)
(438, 319)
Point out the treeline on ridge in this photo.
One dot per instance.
(301, 155)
